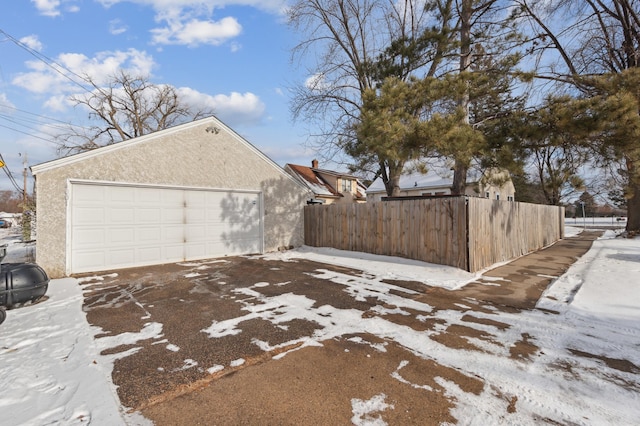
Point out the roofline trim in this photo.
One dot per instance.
(60, 162)
(53, 164)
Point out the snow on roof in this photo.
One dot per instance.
(313, 180)
(414, 180)
(439, 175)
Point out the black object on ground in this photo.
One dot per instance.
(20, 283)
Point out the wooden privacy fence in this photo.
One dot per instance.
(465, 232)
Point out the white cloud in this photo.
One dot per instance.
(32, 42)
(233, 109)
(195, 32)
(51, 8)
(5, 102)
(43, 79)
(316, 82)
(47, 7)
(191, 22)
(58, 103)
(272, 6)
(116, 27)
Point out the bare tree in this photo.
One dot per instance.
(11, 201)
(127, 107)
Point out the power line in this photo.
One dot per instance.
(6, 170)
(31, 124)
(32, 113)
(56, 67)
(29, 134)
(49, 62)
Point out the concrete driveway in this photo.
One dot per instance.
(253, 341)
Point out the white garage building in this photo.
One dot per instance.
(194, 191)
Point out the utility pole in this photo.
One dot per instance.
(24, 174)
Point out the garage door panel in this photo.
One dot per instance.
(89, 237)
(168, 197)
(195, 198)
(149, 235)
(91, 259)
(193, 215)
(193, 233)
(173, 234)
(196, 250)
(118, 226)
(148, 216)
(173, 215)
(173, 252)
(149, 254)
(121, 215)
(122, 236)
(88, 193)
(88, 215)
(121, 258)
(217, 248)
(120, 195)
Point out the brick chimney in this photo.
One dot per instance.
(314, 164)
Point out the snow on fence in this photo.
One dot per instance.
(465, 232)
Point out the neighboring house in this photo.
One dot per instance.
(328, 187)
(193, 191)
(495, 185)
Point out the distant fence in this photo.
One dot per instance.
(467, 233)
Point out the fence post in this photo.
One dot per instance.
(467, 245)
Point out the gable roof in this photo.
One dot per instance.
(313, 180)
(212, 123)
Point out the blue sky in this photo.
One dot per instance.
(229, 55)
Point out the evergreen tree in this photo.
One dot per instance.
(586, 205)
(598, 46)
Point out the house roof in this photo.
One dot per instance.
(439, 175)
(314, 180)
(414, 180)
(213, 125)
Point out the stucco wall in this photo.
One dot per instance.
(184, 156)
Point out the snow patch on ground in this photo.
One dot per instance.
(382, 267)
(364, 412)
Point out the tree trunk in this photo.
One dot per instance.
(459, 186)
(633, 203)
(462, 164)
(393, 188)
(392, 183)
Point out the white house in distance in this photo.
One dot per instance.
(328, 186)
(438, 181)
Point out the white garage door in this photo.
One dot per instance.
(120, 226)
